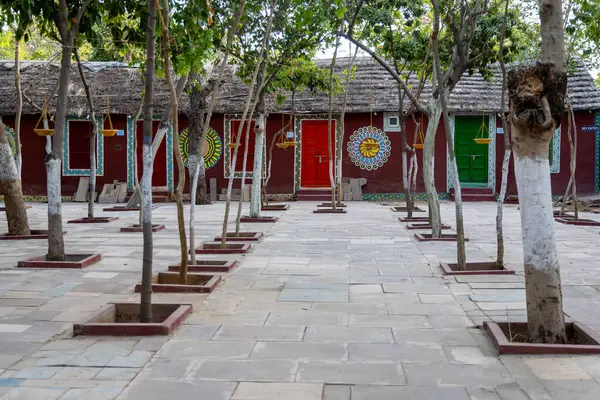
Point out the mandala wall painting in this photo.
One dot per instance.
(213, 147)
(369, 148)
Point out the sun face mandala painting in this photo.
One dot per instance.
(369, 148)
(212, 148)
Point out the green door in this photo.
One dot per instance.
(471, 158)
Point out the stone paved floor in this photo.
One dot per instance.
(325, 307)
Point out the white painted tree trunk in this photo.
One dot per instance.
(428, 169)
(255, 202)
(18, 156)
(194, 169)
(244, 169)
(542, 272)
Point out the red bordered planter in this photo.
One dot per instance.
(139, 228)
(426, 225)
(577, 332)
(413, 219)
(230, 248)
(122, 319)
(446, 237)
(35, 234)
(330, 211)
(243, 237)
(268, 220)
(125, 208)
(405, 209)
(328, 205)
(577, 222)
(73, 261)
(95, 220)
(168, 282)
(476, 268)
(207, 266)
(275, 207)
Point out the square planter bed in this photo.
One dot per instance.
(125, 208)
(230, 248)
(405, 209)
(4, 208)
(578, 222)
(413, 219)
(75, 261)
(423, 226)
(168, 282)
(329, 211)
(246, 218)
(243, 237)
(329, 205)
(35, 234)
(476, 268)
(123, 319)
(207, 266)
(95, 220)
(275, 207)
(138, 228)
(582, 339)
(446, 237)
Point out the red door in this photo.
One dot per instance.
(315, 153)
(159, 169)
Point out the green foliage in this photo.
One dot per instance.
(303, 74)
(582, 30)
(598, 80)
(300, 28)
(37, 48)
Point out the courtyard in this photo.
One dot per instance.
(324, 307)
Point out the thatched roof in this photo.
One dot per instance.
(123, 85)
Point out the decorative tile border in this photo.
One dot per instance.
(67, 171)
(400, 196)
(339, 135)
(11, 137)
(227, 151)
(131, 154)
(597, 164)
(491, 152)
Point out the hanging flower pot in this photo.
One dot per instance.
(44, 132)
(483, 140)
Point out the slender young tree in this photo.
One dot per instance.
(537, 96)
(18, 156)
(166, 50)
(93, 137)
(330, 123)
(146, 185)
(507, 148)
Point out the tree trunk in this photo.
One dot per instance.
(16, 215)
(507, 149)
(194, 169)
(261, 128)
(163, 127)
(18, 156)
(146, 186)
(413, 171)
(93, 136)
(428, 169)
(183, 266)
(329, 125)
(537, 105)
(572, 132)
(56, 244)
(244, 169)
(405, 177)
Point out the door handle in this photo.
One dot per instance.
(320, 158)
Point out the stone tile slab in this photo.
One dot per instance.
(351, 373)
(284, 391)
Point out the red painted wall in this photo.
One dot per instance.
(34, 169)
(387, 179)
(585, 169)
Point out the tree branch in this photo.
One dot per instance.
(389, 69)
